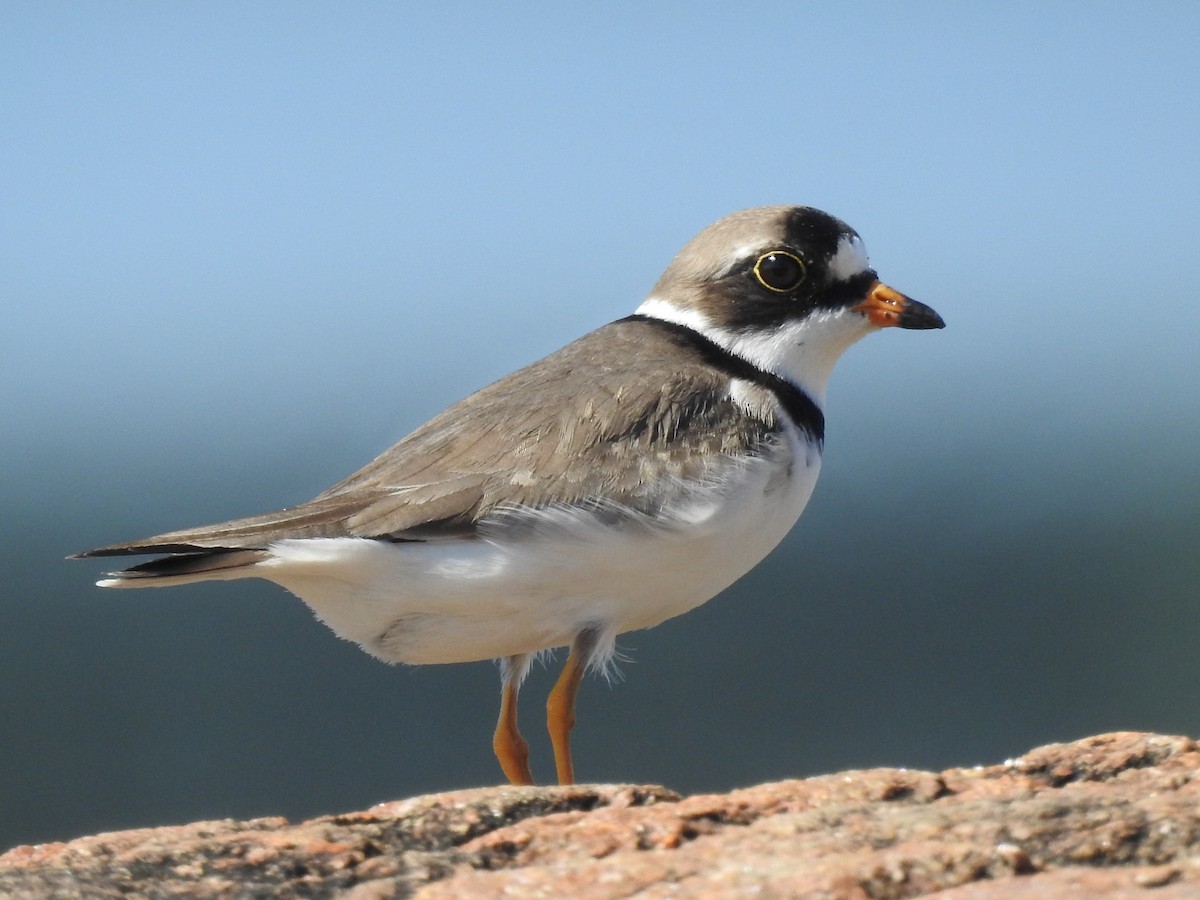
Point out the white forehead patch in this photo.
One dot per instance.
(850, 259)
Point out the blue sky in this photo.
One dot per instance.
(243, 247)
(292, 186)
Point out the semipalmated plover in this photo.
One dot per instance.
(623, 480)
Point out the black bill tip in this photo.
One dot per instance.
(917, 316)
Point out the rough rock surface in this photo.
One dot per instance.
(1116, 816)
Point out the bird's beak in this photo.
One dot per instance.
(886, 307)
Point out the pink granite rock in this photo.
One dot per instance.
(1116, 816)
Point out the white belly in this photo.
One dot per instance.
(524, 589)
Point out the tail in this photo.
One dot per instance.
(226, 550)
(194, 564)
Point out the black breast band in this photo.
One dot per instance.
(801, 407)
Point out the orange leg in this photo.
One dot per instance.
(560, 706)
(509, 746)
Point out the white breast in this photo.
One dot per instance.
(532, 587)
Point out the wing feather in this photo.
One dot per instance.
(599, 418)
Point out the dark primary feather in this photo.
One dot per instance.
(594, 418)
(191, 563)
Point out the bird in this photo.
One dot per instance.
(620, 481)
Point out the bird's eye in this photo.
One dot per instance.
(779, 271)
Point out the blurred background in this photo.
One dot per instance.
(246, 247)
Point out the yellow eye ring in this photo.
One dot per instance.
(780, 271)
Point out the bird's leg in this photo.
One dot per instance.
(560, 706)
(509, 746)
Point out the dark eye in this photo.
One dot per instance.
(779, 271)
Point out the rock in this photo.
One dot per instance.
(1116, 816)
